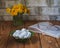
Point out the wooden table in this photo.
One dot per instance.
(38, 41)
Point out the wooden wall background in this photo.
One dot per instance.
(40, 9)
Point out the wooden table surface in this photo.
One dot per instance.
(37, 41)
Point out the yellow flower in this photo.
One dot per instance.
(8, 10)
(27, 11)
(20, 10)
(20, 5)
(17, 8)
(13, 12)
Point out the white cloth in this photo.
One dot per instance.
(46, 28)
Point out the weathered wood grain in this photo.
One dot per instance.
(48, 42)
(37, 41)
(4, 32)
(34, 42)
(58, 41)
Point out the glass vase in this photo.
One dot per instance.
(17, 20)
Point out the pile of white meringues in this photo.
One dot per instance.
(22, 34)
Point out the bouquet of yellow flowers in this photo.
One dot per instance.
(17, 11)
(18, 8)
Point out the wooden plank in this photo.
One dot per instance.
(12, 43)
(21, 45)
(0, 29)
(34, 42)
(15, 44)
(27, 44)
(9, 42)
(48, 42)
(58, 41)
(4, 29)
(3, 41)
(29, 23)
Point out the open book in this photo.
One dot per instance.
(46, 28)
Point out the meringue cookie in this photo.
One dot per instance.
(23, 29)
(22, 34)
(16, 33)
(28, 35)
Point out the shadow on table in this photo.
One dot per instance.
(32, 40)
